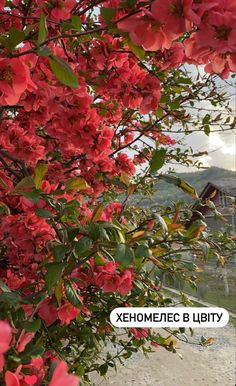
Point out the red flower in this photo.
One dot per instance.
(24, 339)
(125, 284)
(62, 378)
(171, 57)
(111, 283)
(172, 14)
(67, 312)
(146, 33)
(62, 9)
(11, 379)
(218, 31)
(30, 380)
(48, 312)
(5, 340)
(16, 379)
(151, 95)
(14, 80)
(139, 333)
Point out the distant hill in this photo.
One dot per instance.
(165, 193)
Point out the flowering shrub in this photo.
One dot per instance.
(82, 82)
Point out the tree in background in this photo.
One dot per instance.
(90, 92)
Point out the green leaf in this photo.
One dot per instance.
(182, 80)
(98, 260)
(72, 295)
(107, 13)
(59, 251)
(205, 247)
(44, 51)
(42, 29)
(142, 251)
(162, 224)
(103, 369)
(103, 234)
(76, 22)
(31, 351)
(52, 369)
(170, 179)
(72, 233)
(43, 213)
(207, 130)
(63, 71)
(15, 37)
(11, 299)
(34, 196)
(53, 274)
(4, 209)
(93, 231)
(80, 371)
(158, 160)
(35, 298)
(137, 50)
(185, 186)
(195, 229)
(32, 326)
(124, 255)
(130, 3)
(18, 316)
(3, 184)
(206, 119)
(24, 184)
(83, 247)
(159, 112)
(66, 25)
(4, 287)
(76, 183)
(97, 213)
(39, 173)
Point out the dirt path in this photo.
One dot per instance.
(201, 366)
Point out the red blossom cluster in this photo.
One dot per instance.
(79, 132)
(211, 25)
(37, 368)
(106, 277)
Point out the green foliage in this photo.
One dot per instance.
(158, 160)
(42, 29)
(39, 173)
(72, 295)
(124, 255)
(15, 37)
(63, 71)
(107, 13)
(165, 192)
(53, 274)
(44, 213)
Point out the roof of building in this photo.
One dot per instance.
(227, 186)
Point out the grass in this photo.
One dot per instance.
(232, 322)
(212, 289)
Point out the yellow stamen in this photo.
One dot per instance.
(7, 75)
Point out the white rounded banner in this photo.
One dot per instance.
(169, 317)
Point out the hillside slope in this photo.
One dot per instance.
(166, 193)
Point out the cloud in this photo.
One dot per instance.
(220, 144)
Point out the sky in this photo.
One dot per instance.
(220, 145)
(221, 148)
